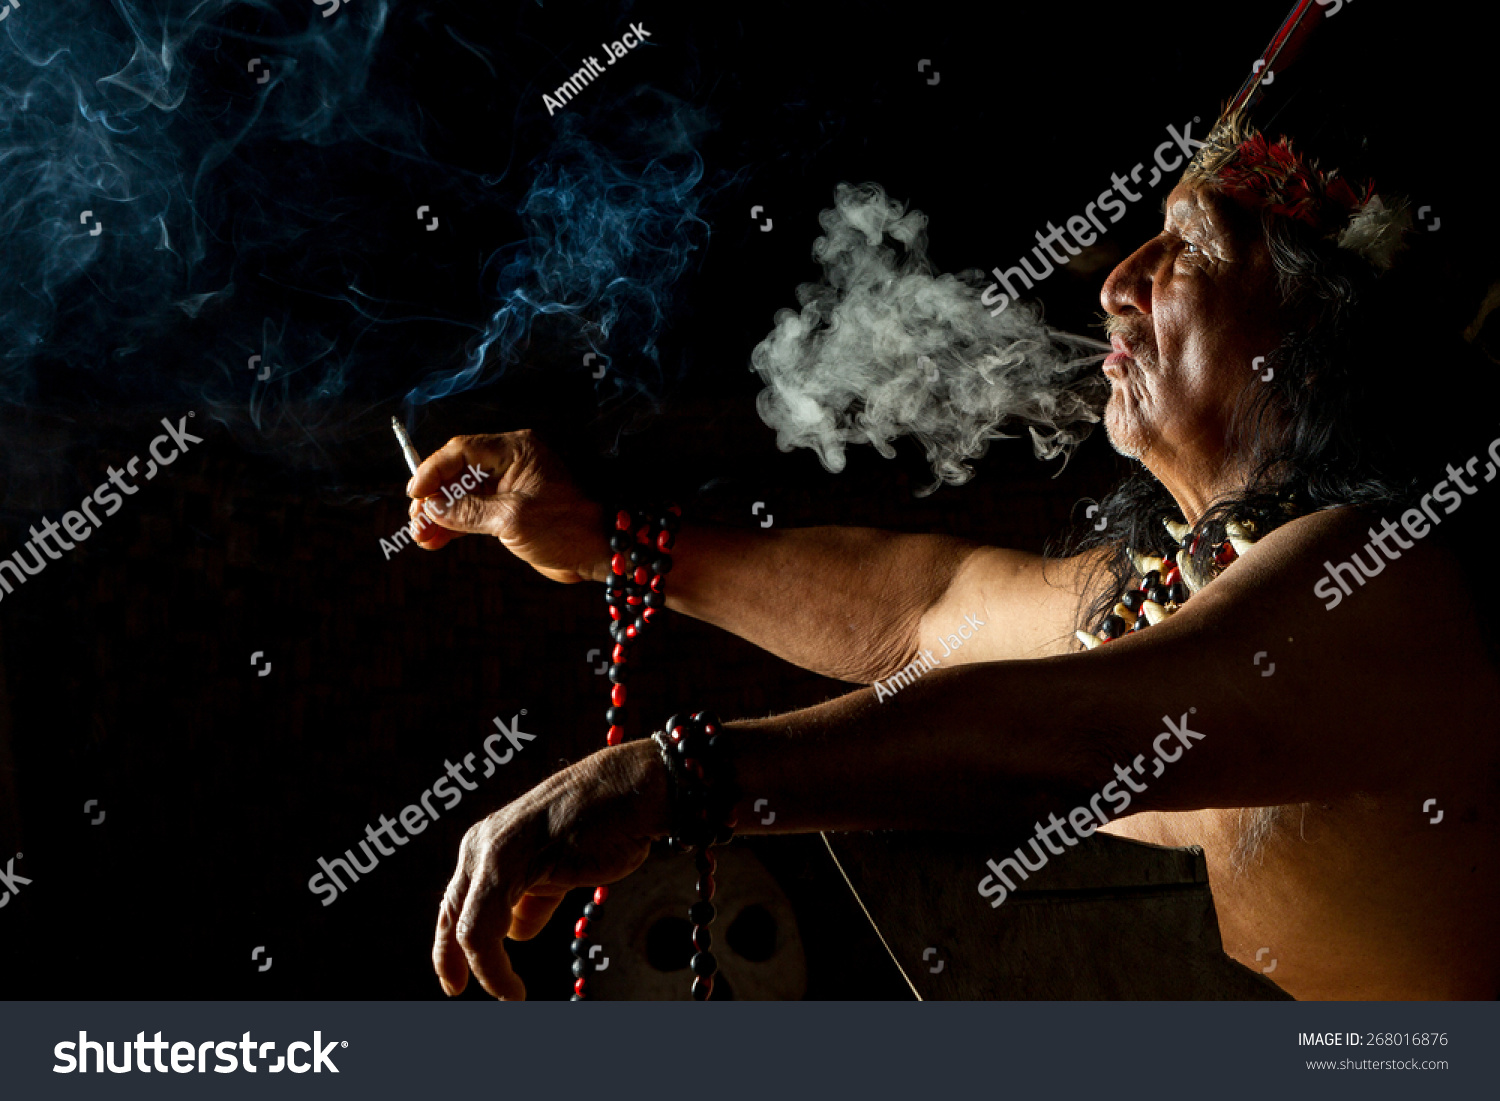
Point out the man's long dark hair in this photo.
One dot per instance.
(1374, 391)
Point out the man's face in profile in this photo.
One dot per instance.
(1189, 312)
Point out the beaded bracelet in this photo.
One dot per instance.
(703, 794)
(641, 543)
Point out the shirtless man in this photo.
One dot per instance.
(1375, 707)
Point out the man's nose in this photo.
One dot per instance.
(1129, 285)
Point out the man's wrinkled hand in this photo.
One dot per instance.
(590, 824)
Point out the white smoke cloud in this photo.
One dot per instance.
(886, 346)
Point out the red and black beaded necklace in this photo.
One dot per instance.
(642, 557)
(1166, 581)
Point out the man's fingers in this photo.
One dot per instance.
(531, 914)
(448, 958)
(488, 515)
(481, 934)
(426, 532)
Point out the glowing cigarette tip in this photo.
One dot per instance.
(413, 460)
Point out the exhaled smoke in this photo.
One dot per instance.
(886, 346)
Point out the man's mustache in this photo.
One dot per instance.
(1138, 337)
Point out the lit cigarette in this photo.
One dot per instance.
(413, 460)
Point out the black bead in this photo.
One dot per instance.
(1133, 599)
(1159, 594)
(675, 720)
(580, 968)
(703, 938)
(1141, 624)
(702, 913)
(639, 555)
(654, 600)
(670, 521)
(662, 564)
(615, 716)
(619, 673)
(701, 990)
(693, 745)
(617, 632)
(589, 909)
(1151, 580)
(1113, 627)
(703, 963)
(640, 624)
(580, 948)
(615, 581)
(620, 541)
(1178, 593)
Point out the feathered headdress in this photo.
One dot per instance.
(1237, 158)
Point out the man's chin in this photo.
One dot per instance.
(1123, 433)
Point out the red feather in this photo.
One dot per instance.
(1279, 55)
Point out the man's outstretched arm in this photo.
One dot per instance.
(1003, 744)
(852, 603)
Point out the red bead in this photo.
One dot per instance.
(664, 541)
(615, 613)
(581, 928)
(675, 733)
(619, 564)
(643, 537)
(656, 583)
(706, 886)
(642, 575)
(675, 510)
(631, 632)
(1173, 576)
(578, 987)
(703, 988)
(634, 600)
(617, 694)
(601, 895)
(615, 736)
(710, 729)
(1193, 546)
(618, 656)
(622, 520)
(649, 614)
(1226, 554)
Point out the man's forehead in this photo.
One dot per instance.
(1185, 204)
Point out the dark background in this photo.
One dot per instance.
(126, 666)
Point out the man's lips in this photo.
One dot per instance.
(1122, 352)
